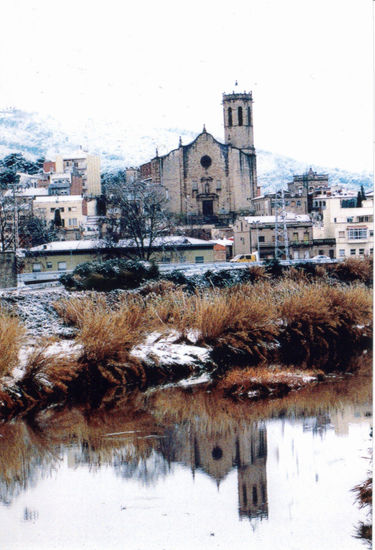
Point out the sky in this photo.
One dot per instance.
(165, 64)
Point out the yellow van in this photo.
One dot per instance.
(245, 257)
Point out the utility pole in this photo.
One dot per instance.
(281, 230)
(15, 219)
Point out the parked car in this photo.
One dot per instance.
(321, 258)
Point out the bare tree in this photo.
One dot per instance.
(137, 212)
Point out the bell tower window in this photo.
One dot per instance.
(249, 116)
(230, 119)
(240, 116)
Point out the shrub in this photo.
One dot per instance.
(109, 275)
(273, 267)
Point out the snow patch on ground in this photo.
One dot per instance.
(168, 353)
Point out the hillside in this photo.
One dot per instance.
(118, 147)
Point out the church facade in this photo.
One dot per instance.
(207, 179)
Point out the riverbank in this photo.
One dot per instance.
(256, 340)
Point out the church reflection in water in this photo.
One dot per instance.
(217, 454)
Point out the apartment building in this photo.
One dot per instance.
(351, 226)
(257, 233)
(84, 165)
(73, 210)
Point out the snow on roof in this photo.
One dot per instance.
(66, 245)
(290, 217)
(32, 192)
(59, 198)
(223, 242)
(124, 243)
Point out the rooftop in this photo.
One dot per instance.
(59, 198)
(290, 217)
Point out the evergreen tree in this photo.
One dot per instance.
(57, 220)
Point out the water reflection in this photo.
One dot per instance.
(144, 437)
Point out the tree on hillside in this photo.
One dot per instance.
(138, 212)
(16, 162)
(109, 179)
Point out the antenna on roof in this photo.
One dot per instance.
(236, 83)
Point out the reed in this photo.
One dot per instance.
(353, 270)
(11, 336)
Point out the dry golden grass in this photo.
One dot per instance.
(264, 380)
(353, 270)
(73, 310)
(258, 274)
(316, 317)
(109, 335)
(11, 336)
(105, 331)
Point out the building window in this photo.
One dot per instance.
(61, 266)
(194, 186)
(357, 234)
(371, 251)
(295, 237)
(206, 161)
(73, 222)
(349, 220)
(199, 259)
(371, 233)
(342, 253)
(321, 252)
(240, 116)
(37, 268)
(361, 251)
(49, 265)
(230, 119)
(342, 234)
(249, 116)
(218, 185)
(298, 203)
(306, 236)
(261, 239)
(165, 260)
(352, 251)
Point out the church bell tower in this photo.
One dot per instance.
(238, 120)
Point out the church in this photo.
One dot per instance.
(209, 181)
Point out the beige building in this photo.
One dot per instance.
(257, 234)
(60, 256)
(85, 165)
(265, 205)
(73, 209)
(207, 180)
(309, 183)
(351, 227)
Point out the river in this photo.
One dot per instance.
(182, 468)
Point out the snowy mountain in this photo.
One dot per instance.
(120, 146)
